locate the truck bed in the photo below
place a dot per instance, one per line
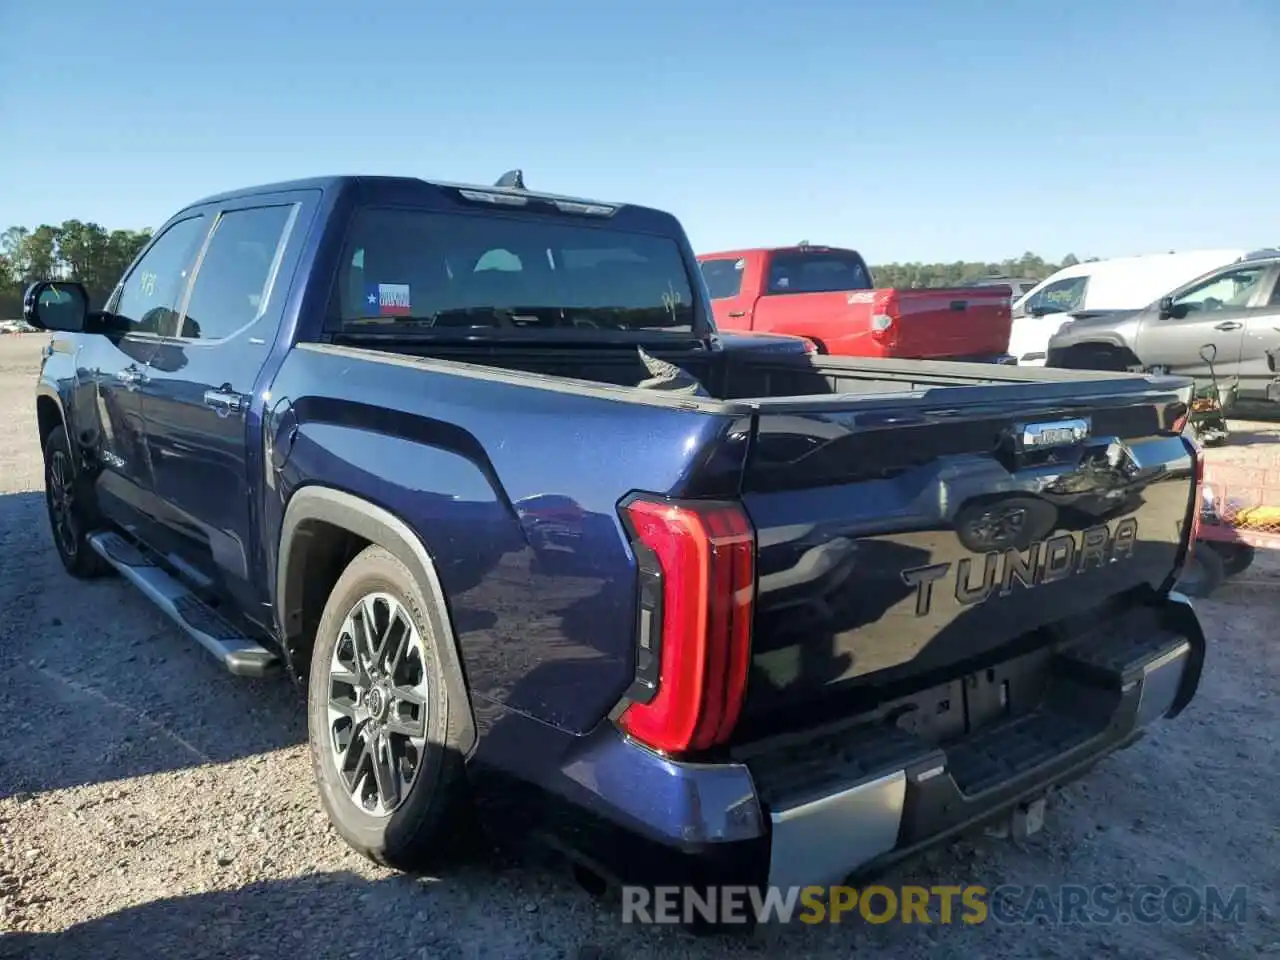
(867, 482)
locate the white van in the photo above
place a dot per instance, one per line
(1125, 283)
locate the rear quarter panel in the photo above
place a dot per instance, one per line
(841, 322)
(513, 491)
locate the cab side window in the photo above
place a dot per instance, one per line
(1062, 296)
(1275, 292)
(724, 277)
(1231, 290)
(234, 280)
(149, 295)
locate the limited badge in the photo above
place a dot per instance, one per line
(388, 299)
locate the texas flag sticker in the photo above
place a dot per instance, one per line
(387, 299)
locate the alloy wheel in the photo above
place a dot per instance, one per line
(377, 704)
(60, 490)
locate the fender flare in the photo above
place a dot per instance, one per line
(1103, 340)
(46, 391)
(383, 528)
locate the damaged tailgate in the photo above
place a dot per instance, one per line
(908, 539)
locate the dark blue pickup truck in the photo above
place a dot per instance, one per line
(473, 465)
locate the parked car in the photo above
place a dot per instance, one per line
(1235, 308)
(1124, 283)
(386, 435)
(826, 294)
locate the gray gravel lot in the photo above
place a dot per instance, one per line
(153, 806)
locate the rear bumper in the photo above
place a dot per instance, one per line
(875, 796)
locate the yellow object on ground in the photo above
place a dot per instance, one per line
(1256, 517)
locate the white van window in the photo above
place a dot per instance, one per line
(1227, 291)
(1061, 296)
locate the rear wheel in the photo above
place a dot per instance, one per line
(72, 508)
(384, 734)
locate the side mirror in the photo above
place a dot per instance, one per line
(56, 305)
(1168, 309)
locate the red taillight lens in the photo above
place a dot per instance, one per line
(884, 317)
(697, 593)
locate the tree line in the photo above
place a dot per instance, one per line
(72, 250)
(97, 257)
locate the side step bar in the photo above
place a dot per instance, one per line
(240, 654)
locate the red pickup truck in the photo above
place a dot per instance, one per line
(826, 294)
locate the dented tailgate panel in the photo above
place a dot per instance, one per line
(902, 550)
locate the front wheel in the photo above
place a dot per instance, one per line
(383, 732)
(73, 513)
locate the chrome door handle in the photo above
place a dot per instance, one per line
(1228, 325)
(224, 401)
(132, 376)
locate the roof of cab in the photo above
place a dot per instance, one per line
(340, 181)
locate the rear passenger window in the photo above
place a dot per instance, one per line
(149, 294)
(817, 271)
(235, 275)
(724, 277)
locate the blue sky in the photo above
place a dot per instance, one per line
(909, 130)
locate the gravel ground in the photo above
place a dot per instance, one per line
(152, 805)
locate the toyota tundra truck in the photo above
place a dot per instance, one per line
(550, 555)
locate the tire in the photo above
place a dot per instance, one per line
(423, 821)
(72, 508)
(1204, 574)
(1095, 357)
(1236, 557)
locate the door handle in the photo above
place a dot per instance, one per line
(132, 376)
(1228, 325)
(737, 313)
(224, 401)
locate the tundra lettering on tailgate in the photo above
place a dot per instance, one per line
(1044, 561)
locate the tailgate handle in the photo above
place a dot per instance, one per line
(1055, 433)
(959, 305)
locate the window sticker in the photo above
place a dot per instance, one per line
(388, 299)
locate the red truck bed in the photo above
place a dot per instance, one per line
(826, 294)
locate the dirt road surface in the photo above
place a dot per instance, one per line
(153, 806)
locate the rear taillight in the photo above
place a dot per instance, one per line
(696, 563)
(884, 317)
